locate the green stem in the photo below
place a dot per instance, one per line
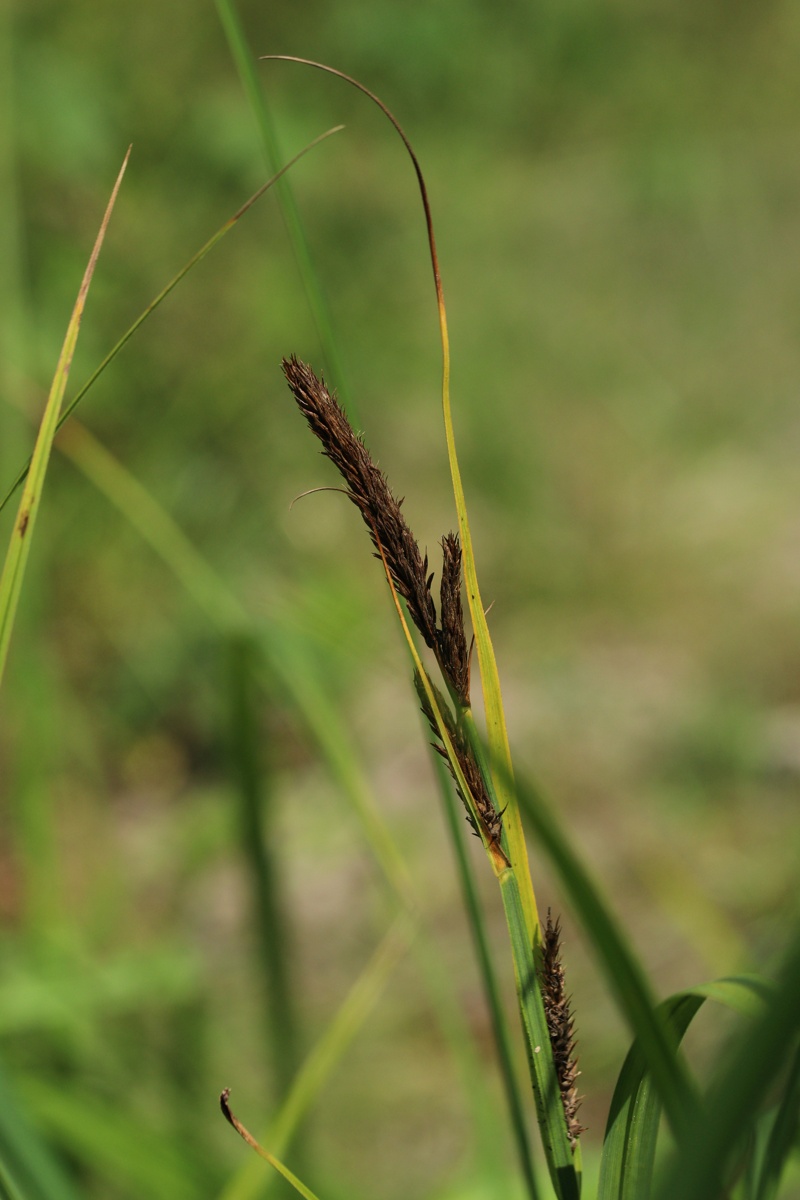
(546, 1090)
(623, 971)
(488, 975)
(320, 309)
(258, 852)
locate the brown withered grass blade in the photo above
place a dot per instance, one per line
(246, 1136)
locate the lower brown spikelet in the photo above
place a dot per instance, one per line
(490, 819)
(560, 1025)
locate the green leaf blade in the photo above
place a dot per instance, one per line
(629, 1149)
(22, 533)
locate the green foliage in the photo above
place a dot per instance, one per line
(615, 195)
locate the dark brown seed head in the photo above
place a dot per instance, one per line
(453, 653)
(560, 1025)
(490, 819)
(369, 491)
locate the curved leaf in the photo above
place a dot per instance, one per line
(623, 971)
(629, 1147)
(19, 546)
(781, 1137)
(497, 735)
(154, 303)
(550, 1111)
(698, 1166)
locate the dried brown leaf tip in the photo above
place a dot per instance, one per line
(368, 489)
(560, 1025)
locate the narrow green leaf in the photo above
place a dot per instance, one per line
(120, 1150)
(497, 733)
(500, 755)
(162, 295)
(22, 533)
(629, 1146)
(8, 1187)
(546, 1090)
(491, 988)
(31, 1169)
(547, 1094)
(623, 972)
(698, 1168)
(262, 860)
(782, 1137)
(320, 310)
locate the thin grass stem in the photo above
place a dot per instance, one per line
(165, 291)
(480, 938)
(623, 972)
(22, 533)
(711, 1146)
(269, 914)
(274, 1162)
(493, 703)
(315, 295)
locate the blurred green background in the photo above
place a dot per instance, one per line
(616, 191)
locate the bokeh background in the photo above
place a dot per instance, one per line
(616, 191)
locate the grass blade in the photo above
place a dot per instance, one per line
(500, 755)
(550, 1111)
(165, 291)
(31, 1171)
(124, 1153)
(623, 972)
(22, 533)
(8, 1188)
(713, 1143)
(629, 1146)
(320, 310)
(265, 1154)
(480, 937)
(263, 865)
(782, 1137)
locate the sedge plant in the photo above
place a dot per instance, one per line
(655, 1078)
(733, 1139)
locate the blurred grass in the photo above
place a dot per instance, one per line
(616, 195)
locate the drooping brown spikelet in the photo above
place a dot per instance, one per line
(488, 815)
(368, 489)
(560, 1025)
(453, 653)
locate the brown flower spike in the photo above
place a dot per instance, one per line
(367, 487)
(369, 491)
(452, 641)
(560, 1025)
(490, 819)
